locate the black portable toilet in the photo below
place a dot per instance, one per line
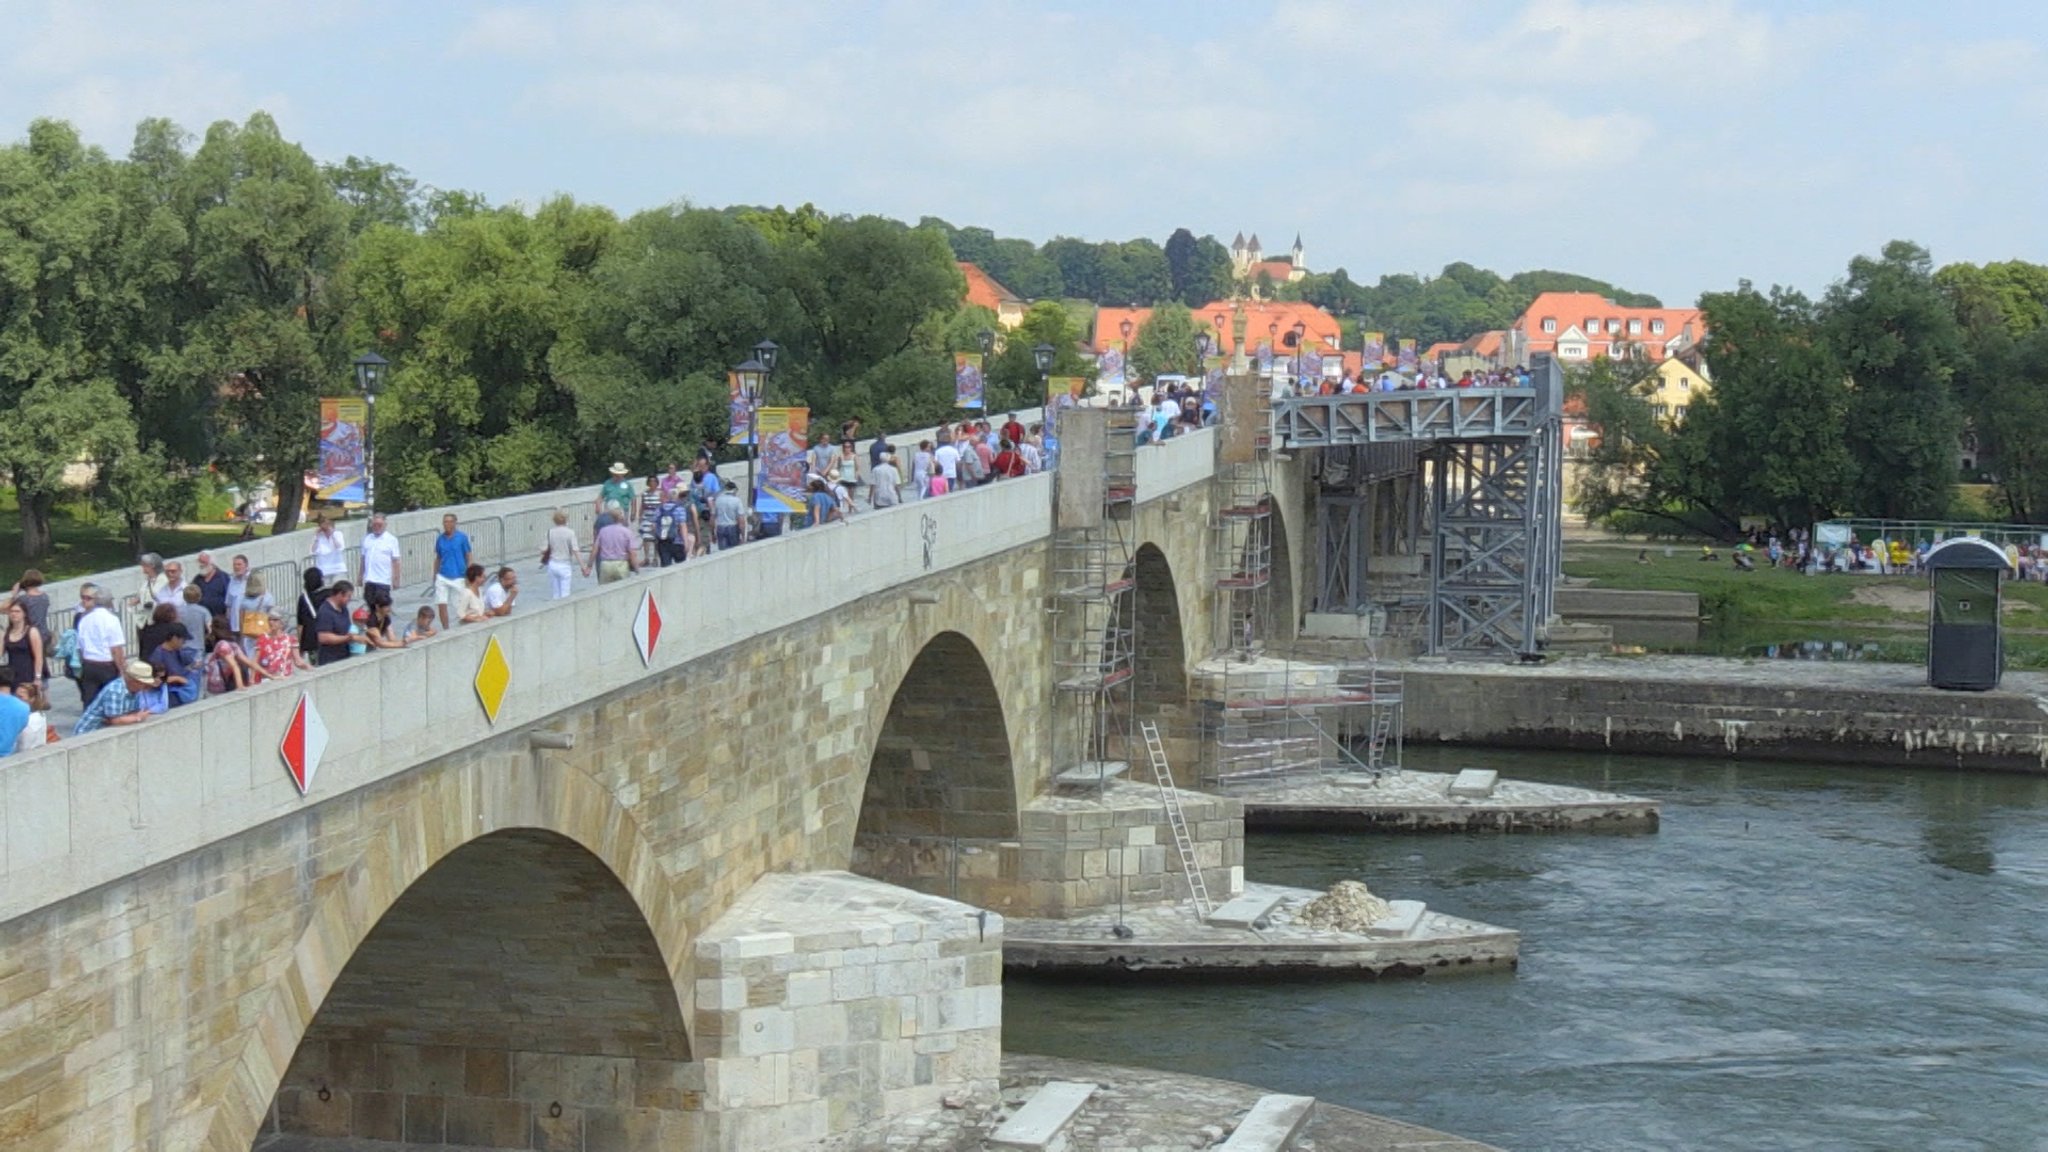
(1964, 647)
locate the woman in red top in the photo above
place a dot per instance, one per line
(1010, 462)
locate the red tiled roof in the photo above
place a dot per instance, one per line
(1277, 270)
(1579, 309)
(984, 291)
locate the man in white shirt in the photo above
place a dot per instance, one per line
(380, 563)
(948, 460)
(102, 650)
(500, 593)
(1034, 460)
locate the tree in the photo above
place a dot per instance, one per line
(1208, 277)
(1013, 377)
(268, 238)
(58, 216)
(376, 194)
(469, 312)
(681, 296)
(1080, 266)
(1166, 344)
(1896, 338)
(1180, 262)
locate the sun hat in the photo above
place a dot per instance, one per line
(618, 469)
(141, 670)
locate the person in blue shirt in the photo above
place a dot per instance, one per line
(135, 697)
(177, 663)
(14, 713)
(451, 562)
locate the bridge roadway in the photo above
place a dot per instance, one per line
(609, 916)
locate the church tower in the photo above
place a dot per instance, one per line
(1298, 257)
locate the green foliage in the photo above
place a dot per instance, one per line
(1897, 340)
(1166, 344)
(1013, 378)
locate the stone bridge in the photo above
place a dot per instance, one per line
(554, 888)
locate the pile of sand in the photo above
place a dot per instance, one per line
(1347, 907)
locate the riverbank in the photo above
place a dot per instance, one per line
(1847, 713)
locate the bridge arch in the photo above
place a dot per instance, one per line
(941, 780)
(1283, 616)
(476, 978)
(1160, 686)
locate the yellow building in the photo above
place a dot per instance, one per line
(1680, 381)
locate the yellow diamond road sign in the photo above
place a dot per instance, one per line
(493, 677)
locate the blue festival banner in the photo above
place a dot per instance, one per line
(739, 429)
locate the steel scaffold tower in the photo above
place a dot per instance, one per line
(1093, 594)
(1241, 540)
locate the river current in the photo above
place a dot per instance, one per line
(1801, 958)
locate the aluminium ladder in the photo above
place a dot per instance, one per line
(1170, 796)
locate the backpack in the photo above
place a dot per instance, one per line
(665, 523)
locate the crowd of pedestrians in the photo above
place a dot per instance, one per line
(215, 630)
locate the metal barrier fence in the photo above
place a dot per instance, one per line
(1913, 532)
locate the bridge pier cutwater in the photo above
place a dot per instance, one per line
(621, 911)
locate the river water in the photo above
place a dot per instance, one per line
(1801, 958)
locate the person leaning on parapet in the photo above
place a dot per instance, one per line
(212, 584)
(331, 624)
(131, 698)
(501, 593)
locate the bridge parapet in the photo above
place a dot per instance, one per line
(1433, 414)
(90, 810)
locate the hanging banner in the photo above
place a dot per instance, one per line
(343, 460)
(1311, 366)
(1407, 361)
(1062, 393)
(1212, 379)
(967, 380)
(737, 405)
(785, 438)
(1109, 367)
(1265, 357)
(1375, 353)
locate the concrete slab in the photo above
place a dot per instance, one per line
(1042, 1122)
(1409, 801)
(1474, 783)
(1271, 1125)
(1244, 911)
(1091, 774)
(1403, 919)
(1171, 938)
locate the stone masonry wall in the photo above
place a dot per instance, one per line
(162, 1011)
(827, 1001)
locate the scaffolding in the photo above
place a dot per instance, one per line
(1278, 720)
(1093, 599)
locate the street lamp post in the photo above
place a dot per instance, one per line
(1042, 357)
(755, 389)
(370, 369)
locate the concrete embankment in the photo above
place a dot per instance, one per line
(1864, 714)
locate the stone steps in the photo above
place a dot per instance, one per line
(1041, 1124)
(1271, 1125)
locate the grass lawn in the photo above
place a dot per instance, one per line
(84, 546)
(1742, 612)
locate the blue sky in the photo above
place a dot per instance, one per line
(1667, 145)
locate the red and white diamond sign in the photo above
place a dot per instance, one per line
(647, 627)
(305, 740)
